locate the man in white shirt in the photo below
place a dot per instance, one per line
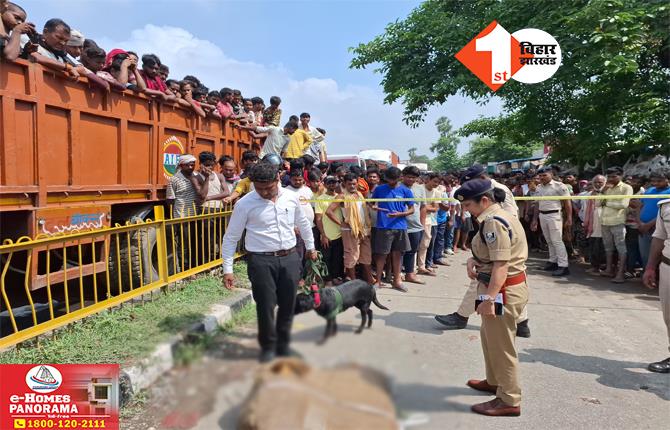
(270, 215)
(549, 217)
(297, 185)
(318, 147)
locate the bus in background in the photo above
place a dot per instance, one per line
(347, 159)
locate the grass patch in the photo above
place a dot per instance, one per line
(127, 334)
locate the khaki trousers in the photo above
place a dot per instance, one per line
(423, 247)
(498, 335)
(552, 229)
(664, 295)
(467, 307)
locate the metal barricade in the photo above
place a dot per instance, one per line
(86, 272)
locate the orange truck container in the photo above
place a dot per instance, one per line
(75, 157)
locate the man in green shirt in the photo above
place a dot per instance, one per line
(330, 232)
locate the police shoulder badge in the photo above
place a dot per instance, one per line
(490, 236)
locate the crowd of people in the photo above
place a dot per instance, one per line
(389, 227)
(402, 242)
(62, 48)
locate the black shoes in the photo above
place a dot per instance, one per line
(561, 271)
(452, 321)
(550, 267)
(266, 356)
(522, 329)
(660, 367)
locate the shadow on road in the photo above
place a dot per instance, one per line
(431, 398)
(578, 276)
(611, 373)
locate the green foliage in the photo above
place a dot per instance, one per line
(499, 139)
(610, 93)
(446, 147)
(414, 158)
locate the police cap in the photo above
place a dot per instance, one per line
(473, 188)
(473, 172)
(545, 169)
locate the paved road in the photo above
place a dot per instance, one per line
(583, 367)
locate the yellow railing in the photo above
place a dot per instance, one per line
(51, 281)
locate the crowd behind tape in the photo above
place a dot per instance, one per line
(520, 198)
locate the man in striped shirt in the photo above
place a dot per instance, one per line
(180, 193)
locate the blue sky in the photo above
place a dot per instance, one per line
(295, 49)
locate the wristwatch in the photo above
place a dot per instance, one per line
(487, 298)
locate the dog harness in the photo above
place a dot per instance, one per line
(338, 303)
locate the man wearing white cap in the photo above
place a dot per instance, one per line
(181, 194)
(74, 47)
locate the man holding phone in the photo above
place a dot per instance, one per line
(499, 254)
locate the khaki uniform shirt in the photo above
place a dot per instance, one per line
(498, 243)
(663, 226)
(553, 188)
(509, 204)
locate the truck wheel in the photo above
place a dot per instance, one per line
(142, 248)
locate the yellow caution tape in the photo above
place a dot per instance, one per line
(524, 198)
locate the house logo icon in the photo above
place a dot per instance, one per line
(44, 378)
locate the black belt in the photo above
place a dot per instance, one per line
(281, 253)
(665, 260)
(549, 212)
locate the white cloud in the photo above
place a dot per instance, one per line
(354, 116)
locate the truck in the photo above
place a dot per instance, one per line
(384, 156)
(75, 158)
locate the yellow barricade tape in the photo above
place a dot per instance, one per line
(524, 198)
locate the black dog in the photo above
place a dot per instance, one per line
(327, 304)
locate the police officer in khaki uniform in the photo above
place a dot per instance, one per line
(499, 252)
(459, 319)
(657, 272)
(550, 219)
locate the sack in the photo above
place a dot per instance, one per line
(288, 395)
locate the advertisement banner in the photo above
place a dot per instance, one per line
(59, 396)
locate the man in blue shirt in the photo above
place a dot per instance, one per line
(660, 181)
(390, 236)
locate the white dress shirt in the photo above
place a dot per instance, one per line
(270, 225)
(305, 193)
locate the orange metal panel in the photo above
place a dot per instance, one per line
(14, 76)
(130, 105)
(57, 121)
(139, 142)
(89, 142)
(98, 151)
(19, 153)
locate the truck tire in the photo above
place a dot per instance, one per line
(139, 275)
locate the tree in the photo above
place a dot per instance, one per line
(498, 139)
(446, 147)
(412, 153)
(610, 92)
(484, 150)
(414, 158)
